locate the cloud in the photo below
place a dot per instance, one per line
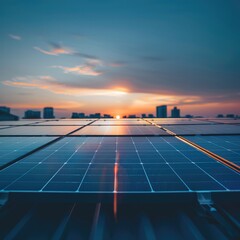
(57, 49)
(81, 70)
(15, 37)
(51, 84)
(89, 68)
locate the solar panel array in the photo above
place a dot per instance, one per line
(108, 156)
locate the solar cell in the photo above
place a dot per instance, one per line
(120, 130)
(227, 147)
(14, 147)
(37, 130)
(217, 129)
(118, 164)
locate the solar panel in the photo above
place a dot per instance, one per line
(20, 122)
(37, 130)
(118, 164)
(63, 123)
(120, 130)
(14, 147)
(128, 122)
(177, 121)
(227, 147)
(225, 120)
(217, 129)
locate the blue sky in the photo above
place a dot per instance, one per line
(120, 57)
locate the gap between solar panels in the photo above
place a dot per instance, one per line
(216, 157)
(43, 146)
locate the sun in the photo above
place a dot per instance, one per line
(118, 117)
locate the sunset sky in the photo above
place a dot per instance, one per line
(120, 57)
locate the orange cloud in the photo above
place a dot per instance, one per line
(55, 51)
(51, 84)
(81, 70)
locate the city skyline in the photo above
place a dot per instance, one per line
(160, 112)
(120, 58)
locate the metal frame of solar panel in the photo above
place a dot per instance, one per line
(117, 164)
(226, 146)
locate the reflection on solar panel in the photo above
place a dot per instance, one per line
(177, 121)
(64, 123)
(14, 147)
(224, 120)
(38, 130)
(17, 123)
(204, 129)
(227, 147)
(120, 130)
(121, 122)
(121, 164)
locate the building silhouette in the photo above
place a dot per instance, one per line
(5, 109)
(75, 115)
(150, 115)
(175, 113)
(81, 115)
(5, 114)
(48, 112)
(30, 114)
(161, 111)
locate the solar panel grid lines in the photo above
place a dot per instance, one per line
(169, 166)
(61, 166)
(218, 158)
(227, 147)
(118, 164)
(201, 168)
(32, 166)
(89, 165)
(15, 148)
(150, 185)
(131, 177)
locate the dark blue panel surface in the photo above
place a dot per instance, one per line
(118, 164)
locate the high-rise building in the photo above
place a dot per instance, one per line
(5, 109)
(175, 113)
(97, 115)
(30, 114)
(150, 115)
(75, 115)
(48, 112)
(144, 115)
(7, 116)
(161, 111)
(81, 115)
